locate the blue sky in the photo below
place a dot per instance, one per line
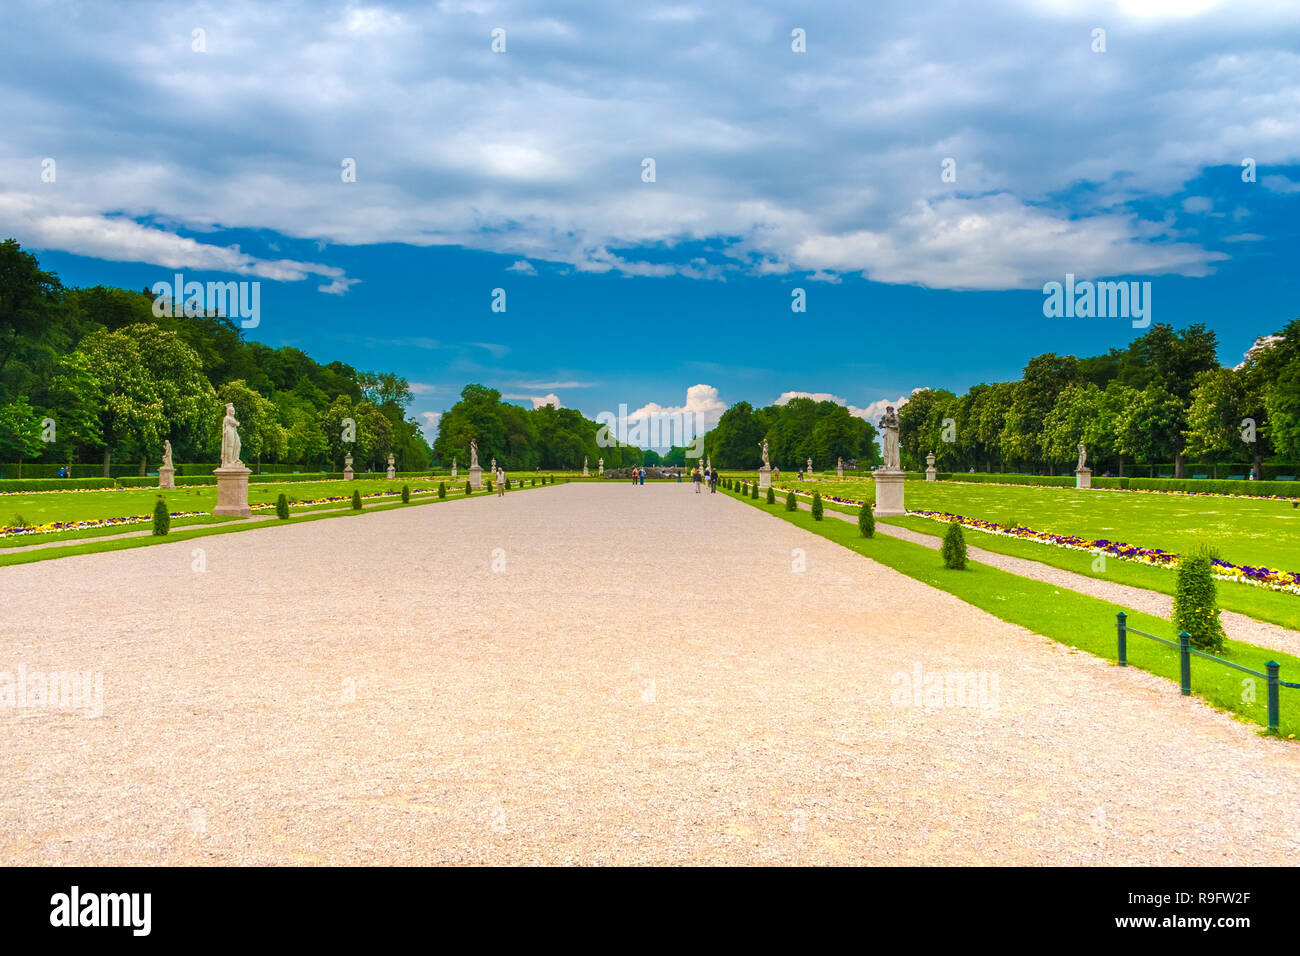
(774, 170)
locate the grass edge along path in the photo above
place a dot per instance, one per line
(1067, 617)
(1262, 604)
(145, 539)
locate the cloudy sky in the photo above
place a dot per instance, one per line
(919, 170)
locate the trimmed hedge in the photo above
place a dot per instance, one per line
(49, 484)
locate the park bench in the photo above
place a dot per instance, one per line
(1284, 478)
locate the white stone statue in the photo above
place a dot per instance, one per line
(889, 440)
(1083, 457)
(167, 453)
(494, 464)
(230, 444)
(347, 461)
(601, 465)
(453, 466)
(766, 462)
(473, 453)
(809, 471)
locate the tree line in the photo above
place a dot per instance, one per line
(1165, 398)
(800, 429)
(93, 375)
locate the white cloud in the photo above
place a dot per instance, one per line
(524, 267)
(540, 158)
(537, 400)
(430, 426)
(871, 412)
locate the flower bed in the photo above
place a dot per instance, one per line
(1270, 578)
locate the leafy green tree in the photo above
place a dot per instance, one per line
(20, 432)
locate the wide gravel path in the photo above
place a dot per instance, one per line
(647, 678)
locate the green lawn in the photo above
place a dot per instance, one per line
(1247, 531)
(1073, 619)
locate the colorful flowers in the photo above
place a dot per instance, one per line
(1270, 578)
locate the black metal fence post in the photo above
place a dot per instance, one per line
(1185, 661)
(1121, 626)
(1273, 668)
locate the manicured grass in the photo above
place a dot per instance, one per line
(1247, 531)
(1256, 602)
(227, 526)
(1068, 617)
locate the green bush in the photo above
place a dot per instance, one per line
(753, 490)
(867, 521)
(356, 500)
(507, 484)
(162, 519)
(1196, 602)
(282, 507)
(488, 484)
(442, 489)
(406, 493)
(18, 522)
(771, 495)
(954, 547)
(817, 506)
(534, 484)
(791, 502)
(468, 489)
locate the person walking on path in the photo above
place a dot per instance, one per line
(643, 474)
(501, 482)
(713, 482)
(698, 479)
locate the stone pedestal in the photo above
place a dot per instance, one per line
(392, 472)
(166, 477)
(931, 473)
(347, 473)
(889, 493)
(839, 471)
(764, 478)
(585, 473)
(476, 477)
(1083, 478)
(232, 491)
(453, 469)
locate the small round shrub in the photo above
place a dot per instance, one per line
(356, 501)
(867, 521)
(771, 495)
(442, 489)
(282, 507)
(1196, 601)
(954, 547)
(817, 506)
(162, 519)
(488, 483)
(791, 502)
(534, 484)
(753, 491)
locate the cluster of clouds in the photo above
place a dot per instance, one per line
(870, 412)
(825, 162)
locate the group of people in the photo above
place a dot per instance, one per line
(702, 476)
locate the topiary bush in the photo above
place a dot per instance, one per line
(817, 506)
(1196, 601)
(406, 493)
(791, 502)
(488, 485)
(954, 547)
(282, 507)
(442, 489)
(753, 491)
(771, 495)
(356, 501)
(468, 489)
(162, 519)
(867, 521)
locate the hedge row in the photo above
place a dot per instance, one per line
(1227, 486)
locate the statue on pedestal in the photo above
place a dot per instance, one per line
(453, 466)
(473, 453)
(1083, 457)
(766, 462)
(167, 453)
(230, 444)
(889, 440)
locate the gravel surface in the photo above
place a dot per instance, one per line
(646, 681)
